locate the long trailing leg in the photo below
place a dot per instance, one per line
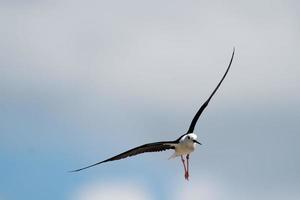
(183, 162)
(187, 165)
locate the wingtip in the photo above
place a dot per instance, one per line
(72, 171)
(233, 51)
(77, 170)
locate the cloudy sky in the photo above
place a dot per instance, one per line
(83, 80)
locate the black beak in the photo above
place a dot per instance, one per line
(197, 142)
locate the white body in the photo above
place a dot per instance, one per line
(185, 146)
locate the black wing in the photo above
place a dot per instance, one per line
(151, 147)
(195, 119)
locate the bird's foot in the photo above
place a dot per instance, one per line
(186, 175)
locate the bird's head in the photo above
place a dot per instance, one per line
(190, 138)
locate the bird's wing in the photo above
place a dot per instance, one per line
(150, 147)
(196, 117)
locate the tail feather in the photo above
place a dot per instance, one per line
(174, 155)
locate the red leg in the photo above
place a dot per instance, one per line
(183, 162)
(187, 171)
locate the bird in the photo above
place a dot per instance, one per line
(182, 146)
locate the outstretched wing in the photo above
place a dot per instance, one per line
(196, 117)
(151, 147)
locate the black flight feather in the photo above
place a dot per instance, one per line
(150, 147)
(196, 117)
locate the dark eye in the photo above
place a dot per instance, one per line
(188, 137)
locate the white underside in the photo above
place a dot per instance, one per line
(183, 149)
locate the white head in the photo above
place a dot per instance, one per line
(190, 138)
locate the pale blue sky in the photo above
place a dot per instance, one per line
(83, 80)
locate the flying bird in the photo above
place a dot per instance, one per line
(183, 146)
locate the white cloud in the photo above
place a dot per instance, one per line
(210, 187)
(111, 190)
(107, 48)
(200, 188)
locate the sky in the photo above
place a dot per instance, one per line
(81, 81)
